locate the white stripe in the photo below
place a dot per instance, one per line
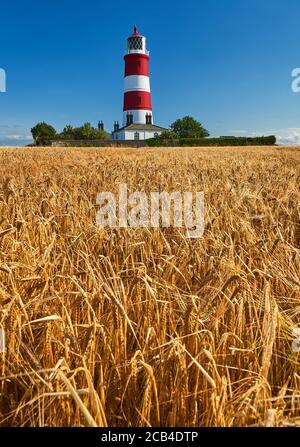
(136, 83)
(139, 116)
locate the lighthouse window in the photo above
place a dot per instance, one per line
(136, 136)
(135, 43)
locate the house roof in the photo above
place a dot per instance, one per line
(140, 127)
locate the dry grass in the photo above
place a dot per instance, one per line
(145, 327)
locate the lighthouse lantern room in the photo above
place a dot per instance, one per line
(137, 108)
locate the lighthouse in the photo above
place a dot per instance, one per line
(137, 107)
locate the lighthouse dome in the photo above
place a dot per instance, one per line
(136, 43)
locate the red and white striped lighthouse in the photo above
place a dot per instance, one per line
(137, 96)
(137, 109)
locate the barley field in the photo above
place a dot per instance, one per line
(145, 327)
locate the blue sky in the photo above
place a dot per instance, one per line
(228, 63)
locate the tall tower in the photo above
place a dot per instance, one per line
(137, 97)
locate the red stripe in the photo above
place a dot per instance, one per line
(136, 64)
(137, 101)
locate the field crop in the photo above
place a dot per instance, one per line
(144, 327)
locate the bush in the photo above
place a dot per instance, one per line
(168, 135)
(239, 141)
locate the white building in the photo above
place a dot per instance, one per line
(137, 132)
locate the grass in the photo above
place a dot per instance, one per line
(125, 327)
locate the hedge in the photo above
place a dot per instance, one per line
(238, 141)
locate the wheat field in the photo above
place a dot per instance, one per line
(145, 327)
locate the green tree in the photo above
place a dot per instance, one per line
(43, 134)
(88, 132)
(168, 135)
(102, 135)
(188, 127)
(67, 133)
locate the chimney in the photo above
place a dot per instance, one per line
(116, 126)
(148, 118)
(129, 119)
(100, 125)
